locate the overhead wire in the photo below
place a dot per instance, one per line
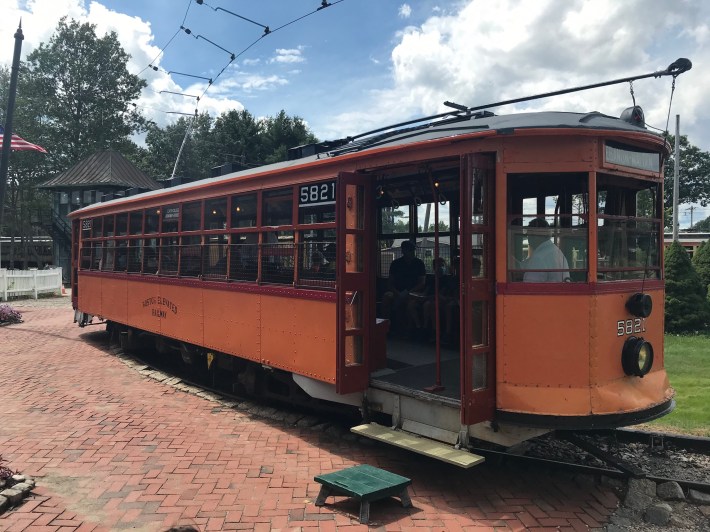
(233, 57)
(162, 50)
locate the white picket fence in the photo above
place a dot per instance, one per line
(31, 282)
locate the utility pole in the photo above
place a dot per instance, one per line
(7, 136)
(676, 167)
(691, 209)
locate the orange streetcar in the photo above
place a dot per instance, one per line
(532, 298)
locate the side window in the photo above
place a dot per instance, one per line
(152, 220)
(277, 208)
(243, 211)
(191, 216)
(171, 217)
(216, 214)
(548, 227)
(629, 229)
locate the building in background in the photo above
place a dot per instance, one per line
(102, 176)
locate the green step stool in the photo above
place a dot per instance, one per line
(365, 483)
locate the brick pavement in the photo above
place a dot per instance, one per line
(113, 450)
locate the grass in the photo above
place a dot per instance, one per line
(688, 367)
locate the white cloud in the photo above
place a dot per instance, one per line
(251, 62)
(405, 11)
(288, 55)
(490, 51)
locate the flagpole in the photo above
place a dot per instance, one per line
(7, 136)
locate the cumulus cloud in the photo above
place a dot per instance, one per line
(405, 11)
(489, 51)
(288, 55)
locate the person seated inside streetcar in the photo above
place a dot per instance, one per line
(545, 255)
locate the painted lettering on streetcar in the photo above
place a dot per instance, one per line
(628, 327)
(160, 302)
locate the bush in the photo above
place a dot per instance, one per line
(9, 315)
(701, 263)
(687, 308)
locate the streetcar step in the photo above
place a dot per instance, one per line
(406, 440)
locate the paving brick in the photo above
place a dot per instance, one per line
(142, 454)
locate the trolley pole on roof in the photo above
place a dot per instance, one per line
(676, 167)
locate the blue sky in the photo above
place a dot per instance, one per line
(362, 64)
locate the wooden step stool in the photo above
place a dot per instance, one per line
(365, 483)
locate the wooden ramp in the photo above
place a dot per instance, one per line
(431, 448)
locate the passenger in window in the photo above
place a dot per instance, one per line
(545, 255)
(407, 274)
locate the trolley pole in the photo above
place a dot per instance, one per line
(7, 136)
(676, 167)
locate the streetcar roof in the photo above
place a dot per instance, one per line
(456, 124)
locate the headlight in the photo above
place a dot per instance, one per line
(637, 356)
(640, 305)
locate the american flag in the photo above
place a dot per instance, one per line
(18, 143)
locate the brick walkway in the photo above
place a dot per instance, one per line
(113, 450)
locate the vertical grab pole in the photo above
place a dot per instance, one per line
(437, 324)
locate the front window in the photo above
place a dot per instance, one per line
(629, 229)
(547, 227)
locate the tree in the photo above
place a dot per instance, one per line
(237, 136)
(234, 136)
(196, 159)
(693, 175)
(702, 226)
(701, 263)
(283, 132)
(23, 201)
(686, 305)
(83, 93)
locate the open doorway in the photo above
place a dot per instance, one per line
(417, 279)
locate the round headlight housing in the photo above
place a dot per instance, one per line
(637, 356)
(640, 305)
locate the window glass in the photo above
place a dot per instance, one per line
(109, 227)
(547, 227)
(629, 229)
(244, 210)
(151, 255)
(122, 224)
(316, 258)
(216, 214)
(277, 257)
(394, 219)
(278, 207)
(214, 257)
(135, 223)
(191, 216)
(191, 256)
(243, 257)
(121, 262)
(171, 217)
(135, 255)
(169, 252)
(152, 220)
(88, 197)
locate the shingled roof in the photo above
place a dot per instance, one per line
(106, 168)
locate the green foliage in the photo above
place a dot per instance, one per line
(686, 308)
(234, 136)
(701, 263)
(702, 226)
(693, 174)
(82, 93)
(688, 367)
